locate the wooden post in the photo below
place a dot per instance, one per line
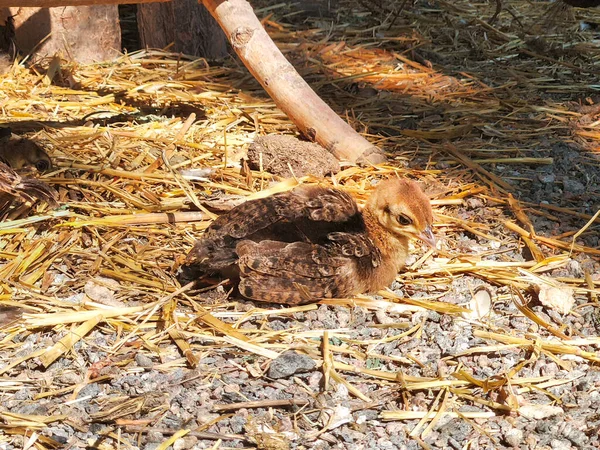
(286, 87)
(185, 23)
(82, 33)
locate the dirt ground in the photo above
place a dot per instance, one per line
(500, 123)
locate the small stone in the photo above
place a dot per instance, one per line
(546, 177)
(574, 268)
(62, 437)
(151, 446)
(142, 360)
(31, 409)
(557, 297)
(290, 363)
(513, 437)
(185, 443)
(560, 444)
(100, 293)
(573, 187)
(23, 394)
(577, 437)
(538, 412)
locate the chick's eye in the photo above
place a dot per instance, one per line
(42, 165)
(404, 220)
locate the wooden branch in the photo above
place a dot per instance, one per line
(55, 3)
(286, 87)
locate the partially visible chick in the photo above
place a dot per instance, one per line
(313, 242)
(9, 314)
(18, 194)
(22, 154)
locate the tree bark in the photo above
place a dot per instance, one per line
(83, 33)
(291, 93)
(186, 23)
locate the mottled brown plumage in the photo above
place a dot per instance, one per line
(313, 242)
(9, 314)
(18, 194)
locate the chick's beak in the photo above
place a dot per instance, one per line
(427, 236)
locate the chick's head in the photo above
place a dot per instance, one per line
(403, 209)
(31, 155)
(23, 154)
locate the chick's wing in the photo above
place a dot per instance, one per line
(305, 202)
(358, 245)
(280, 217)
(15, 190)
(299, 272)
(291, 273)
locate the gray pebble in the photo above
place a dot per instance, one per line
(577, 437)
(546, 177)
(89, 390)
(573, 187)
(513, 437)
(32, 409)
(154, 436)
(143, 360)
(290, 363)
(23, 394)
(151, 445)
(560, 444)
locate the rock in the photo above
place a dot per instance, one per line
(185, 443)
(538, 412)
(557, 297)
(290, 363)
(142, 360)
(32, 408)
(101, 290)
(546, 177)
(513, 437)
(577, 437)
(560, 444)
(573, 187)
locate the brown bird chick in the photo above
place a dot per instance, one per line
(22, 154)
(313, 242)
(9, 314)
(18, 194)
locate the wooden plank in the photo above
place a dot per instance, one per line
(55, 3)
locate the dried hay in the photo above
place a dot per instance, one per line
(121, 133)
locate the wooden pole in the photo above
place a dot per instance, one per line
(286, 87)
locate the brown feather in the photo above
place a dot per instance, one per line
(16, 191)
